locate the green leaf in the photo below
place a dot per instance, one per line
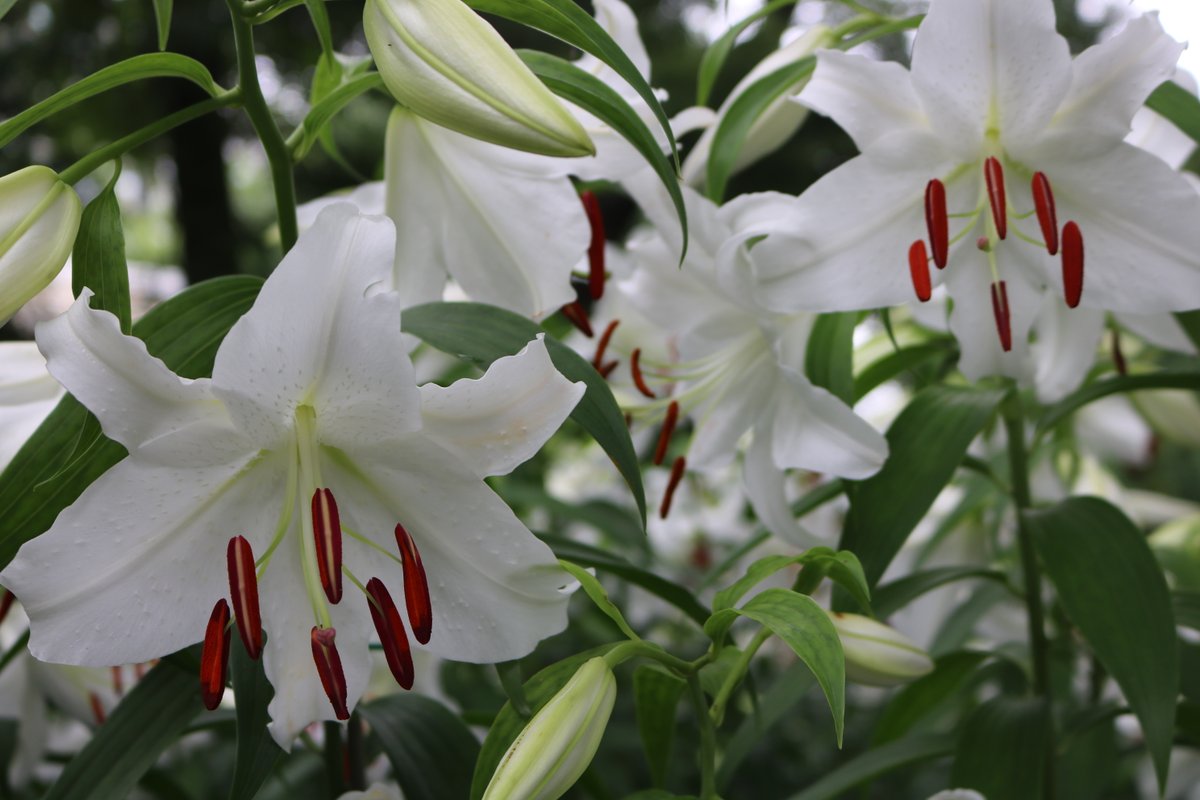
(565, 20)
(512, 681)
(829, 359)
(98, 259)
(1002, 749)
(717, 52)
(145, 723)
(1124, 383)
(1187, 608)
(482, 333)
(608, 561)
(599, 596)
(1112, 588)
(891, 597)
(148, 65)
(594, 95)
(508, 723)
(1178, 105)
(257, 752)
(427, 744)
(162, 20)
(926, 443)
(68, 452)
(803, 626)
(740, 118)
(843, 567)
(775, 705)
(915, 701)
(6, 6)
(656, 694)
(309, 131)
(878, 761)
(898, 362)
(1190, 322)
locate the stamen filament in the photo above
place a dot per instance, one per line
(306, 454)
(993, 172)
(285, 515)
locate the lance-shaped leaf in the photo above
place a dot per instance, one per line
(428, 766)
(98, 260)
(1002, 749)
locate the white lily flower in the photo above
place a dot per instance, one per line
(312, 398)
(39, 217)
(27, 395)
(740, 368)
(993, 139)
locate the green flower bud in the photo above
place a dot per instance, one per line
(558, 743)
(878, 655)
(440, 59)
(39, 217)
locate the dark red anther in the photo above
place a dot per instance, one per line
(214, 656)
(1003, 316)
(635, 368)
(329, 668)
(937, 222)
(6, 603)
(608, 368)
(416, 587)
(327, 530)
(602, 345)
(918, 267)
(98, 707)
(677, 469)
(118, 682)
(243, 590)
(1043, 203)
(1072, 264)
(390, 628)
(994, 173)
(596, 272)
(578, 317)
(139, 671)
(1118, 356)
(664, 436)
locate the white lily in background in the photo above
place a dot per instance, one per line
(39, 217)
(302, 434)
(993, 141)
(739, 367)
(27, 395)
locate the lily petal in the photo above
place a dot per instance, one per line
(816, 431)
(304, 340)
(1160, 330)
(1066, 347)
(500, 420)
(744, 395)
(494, 587)
(764, 484)
(973, 322)
(989, 63)
(1138, 218)
(508, 226)
(28, 393)
(117, 598)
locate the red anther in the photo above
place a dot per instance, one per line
(1118, 357)
(416, 587)
(139, 671)
(6, 603)
(677, 469)
(994, 173)
(596, 247)
(608, 368)
(329, 668)
(635, 368)
(243, 590)
(602, 345)
(1003, 316)
(664, 436)
(1043, 202)
(98, 707)
(578, 317)
(918, 267)
(701, 555)
(214, 656)
(118, 682)
(937, 222)
(1072, 264)
(390, 628)
(327, 530)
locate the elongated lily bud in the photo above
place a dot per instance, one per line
(39, 217)
(876, 654)
(559, 742)
(440, 59)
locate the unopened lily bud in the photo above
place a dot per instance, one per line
(876, 654)
(1173, 413)
(558, 743)
(39, 217)
(440, 59)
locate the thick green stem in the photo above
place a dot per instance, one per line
(334, 759)
(1018, 465)
(356, 767)
(278, 156)
(708, 740)
(86, 165)
(644, 649)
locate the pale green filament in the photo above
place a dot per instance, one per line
(306, 454)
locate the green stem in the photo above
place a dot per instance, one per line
(356, 761)
(643, 649)
(708, 740)
(1018, 465)
(736, 673)
(86, 165)
(334, 763)
(251, 7)
(278, 156)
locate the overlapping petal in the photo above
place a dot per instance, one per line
(814, 430)
(1065, 348)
